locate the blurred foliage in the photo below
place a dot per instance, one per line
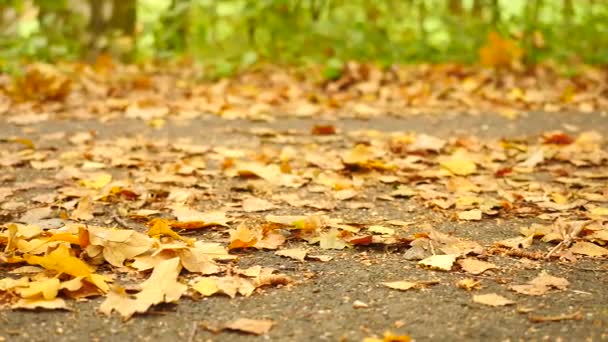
(228, 35)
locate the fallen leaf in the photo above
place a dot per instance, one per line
(251, 326)
(253, 204)
(332, 240)
(492, 299)
(161, 287)
(187, 215)
(47, 289)
(84, 210)
(588, 248)
(442, 262)
(32, 304)
(475, 266)
(459, 167)
(242, 237)
(469, 284)
(404, 285)
(118, 244)
(470, 215)
(389, 337)
(206, 287)
(293, 253)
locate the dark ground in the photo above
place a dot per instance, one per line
(320, 306)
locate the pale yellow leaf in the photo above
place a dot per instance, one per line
(442, 262)
(492, 299)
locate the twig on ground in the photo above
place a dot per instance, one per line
(577, 316)
(570, 231)
(193, 331)
(120, 221)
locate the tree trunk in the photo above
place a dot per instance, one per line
(455, 7)
(123, 17)
(568, 11)
(122, 25)
(495, 12)
(477, 8)
(96, 28)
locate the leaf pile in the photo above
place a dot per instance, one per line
(108, 90)
(143, 221)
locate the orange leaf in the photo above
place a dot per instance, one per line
(499, 52)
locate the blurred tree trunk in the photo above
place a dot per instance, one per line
(568, 11)
(477, 8)
(123, 16)
(96, 28)
(122, 24)
(495, 11)
(455, 7)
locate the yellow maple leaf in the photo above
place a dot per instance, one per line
(460, 167)
(46, 289)
(61, 261)
(97, 182)
(161, 287)
(161, 227)
(242, 237)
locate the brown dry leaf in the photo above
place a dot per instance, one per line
(41, 82)
(492, 299)
(228, 285)
(33, 216)
(470, 215)
(200, 257)
(403, 285)
(242, 237)
(403, 191)
(47, 289)
(469, 284)
(187, 215)
(251, 326)
(161, 287)
(118, 244)
(541, 285)
(254, 204)
(49, 304)
(475, 266)
(517, 242)
(529, 289)
(332, 240)
(589, 249)
(545, 279)
(270, 173)
(442, 262)
(381, 230)
(84, 210)
(293, 253)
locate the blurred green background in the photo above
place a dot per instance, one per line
(230, 35)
